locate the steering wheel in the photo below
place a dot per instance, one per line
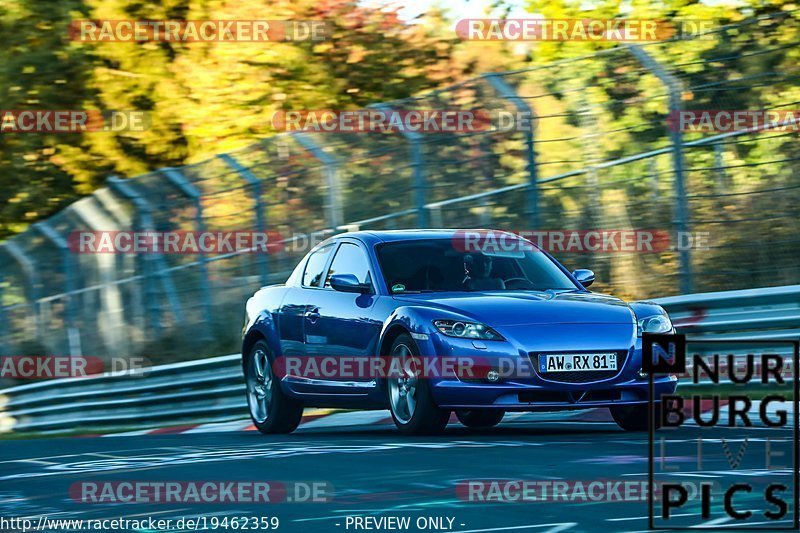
(518, 283)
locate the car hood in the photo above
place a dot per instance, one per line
(519, 308)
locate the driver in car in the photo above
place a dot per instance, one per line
(478, 274)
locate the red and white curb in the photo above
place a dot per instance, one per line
(333, 418)
(329, 418)
(312, 418)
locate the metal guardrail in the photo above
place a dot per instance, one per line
(758, 314)
(211, 390)
(207, 389)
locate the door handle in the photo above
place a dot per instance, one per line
(312, 316)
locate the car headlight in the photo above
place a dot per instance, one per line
(654, 324)
(467, 330)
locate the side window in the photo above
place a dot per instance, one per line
(349, 259)
(315, 266)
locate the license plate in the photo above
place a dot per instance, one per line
(577, 362)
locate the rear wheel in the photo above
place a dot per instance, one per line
(635, 417)
(409, 396)
(271, 410)
(480, 418)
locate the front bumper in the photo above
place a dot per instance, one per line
(515, 396)
(529, 391)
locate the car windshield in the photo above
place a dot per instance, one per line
(437, 265)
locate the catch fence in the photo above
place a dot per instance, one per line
(602, 155)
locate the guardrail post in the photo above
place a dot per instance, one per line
(152, 264)
(70, 311)
(508, 92)
(177, 178)
(675, 90)
(261, 214)
(333, 211)
(31, 286)
(419, 178)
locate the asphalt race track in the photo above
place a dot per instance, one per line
(374, 472)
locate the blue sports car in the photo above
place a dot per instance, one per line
(418, 322)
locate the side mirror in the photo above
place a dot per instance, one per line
(349, 283)
(584, 276)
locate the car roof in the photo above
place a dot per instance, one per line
(374, 237)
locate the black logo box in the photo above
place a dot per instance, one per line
(655, 363)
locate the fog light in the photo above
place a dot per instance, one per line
(493, 376)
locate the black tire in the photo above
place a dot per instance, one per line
(426, 418)
(480, 418)
(280, 414)
(635, 417)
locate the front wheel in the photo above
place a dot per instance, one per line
(271, 410)
(480, 418)
(635, 417)
(409, 396)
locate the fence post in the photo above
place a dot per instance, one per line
(653, 169)
(112, 332)
(419, 176)
(261, 212)
(485, 148)
(177, 178)
(436, 215)
(587, 120)
(31, 285)
(675, 90)
(506, 91)
(152, 265)
(721, 183)
(4, 334)
(333, 211)
(67, 264)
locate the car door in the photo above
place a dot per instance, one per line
(293, 309)
(338, 323)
